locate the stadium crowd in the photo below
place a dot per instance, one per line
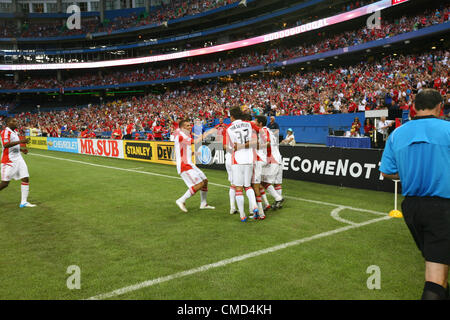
(390, 82)
(173, 10)
(262, 56)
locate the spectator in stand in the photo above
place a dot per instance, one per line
(85, 133)
(290, 138)
(150, 137)
(129, 132)
(368, 127)
(274, 126)
(382, 131)
(355, 128)
(158, 131)
(117, 133)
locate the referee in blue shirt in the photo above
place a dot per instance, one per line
(418, 153)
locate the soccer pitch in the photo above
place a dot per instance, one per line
(117, 221)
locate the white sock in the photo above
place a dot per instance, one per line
(240, 203)
(232, 194)
(274, 193)
(264, 197)
(189, 193)
(251, 198)
(203, 195)
(279, 189)
(25, 188)
(260, 206)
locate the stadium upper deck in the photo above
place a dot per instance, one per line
(240, 23)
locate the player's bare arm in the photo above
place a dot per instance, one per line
(391, 176)
(15, 143)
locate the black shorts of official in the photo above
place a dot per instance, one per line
(428, 220)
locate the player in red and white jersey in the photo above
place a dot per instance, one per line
(239, 136)
(261, 161)
(272, 173)
(259, 157)
(194, 178)
(221, 130)
(12, 165)
(220, 134)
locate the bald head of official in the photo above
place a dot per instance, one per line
(428, 101)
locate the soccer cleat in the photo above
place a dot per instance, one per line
(255, 217)
(233, 211)
(206, 206)
(261, 217)
(27, 205)
(279, 204)
(268, 207)
(181, 205)
(244, 219)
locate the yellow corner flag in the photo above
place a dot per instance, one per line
(395, 214)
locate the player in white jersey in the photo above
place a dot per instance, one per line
(239, 135)
(194, 178)
(12, 165)
(272, 171)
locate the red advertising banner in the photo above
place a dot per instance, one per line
(101, 147)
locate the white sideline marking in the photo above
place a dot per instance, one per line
(149, 283)
(136, 168)
(209, 183)
(225, 262)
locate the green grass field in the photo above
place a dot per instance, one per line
(119, 224)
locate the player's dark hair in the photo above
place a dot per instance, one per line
(427, 99)
(8, 120)
(246, 116)
(262, 120)
(182, 121)
(236, 113)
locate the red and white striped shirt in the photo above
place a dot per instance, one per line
(273, 152)
(11, 154)
(183, 151)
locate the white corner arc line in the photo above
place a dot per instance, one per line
(335, 215)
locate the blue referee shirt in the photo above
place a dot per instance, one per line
(419, 151)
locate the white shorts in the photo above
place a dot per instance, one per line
(193, 176)
(228, 167)
(16, 170)
(242, 175)
(257, 172)
(273, 173)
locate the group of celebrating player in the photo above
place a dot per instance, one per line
(252, 160)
